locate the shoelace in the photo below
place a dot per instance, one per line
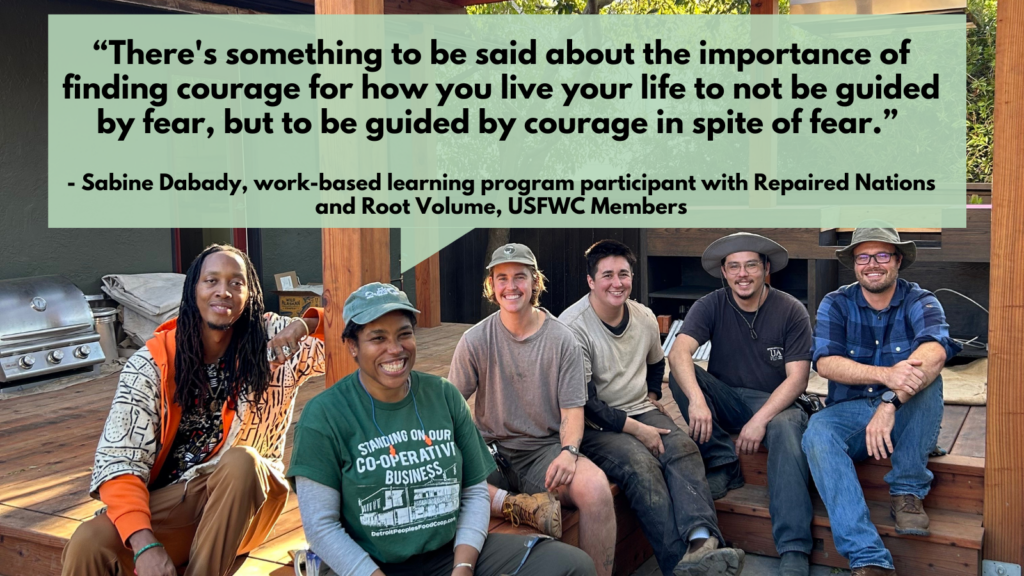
(909, 504)
(516, 513)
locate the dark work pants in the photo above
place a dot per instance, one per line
(501, 554)
(788, 476)
(669, 494)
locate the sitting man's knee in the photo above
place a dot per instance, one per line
(817, 437)
(590, 488)
(91, 538)
(239, 457)
(678, 442)
(241, 464)
(645, 465)
(787, 427)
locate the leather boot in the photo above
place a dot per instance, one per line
(908, 511)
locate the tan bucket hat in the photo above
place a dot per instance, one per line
(908, 250)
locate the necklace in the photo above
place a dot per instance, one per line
(750, 325)
(373, 413)
(215, 375)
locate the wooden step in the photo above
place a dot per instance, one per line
(952, 549)
(959, 482)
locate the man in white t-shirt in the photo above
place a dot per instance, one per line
(527, 372)
(641, 449)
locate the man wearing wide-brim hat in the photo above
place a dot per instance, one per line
(761, 342)
(881, 343)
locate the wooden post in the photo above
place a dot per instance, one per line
(764, 6)
(349, 6)
(351, 256)
(1004, 452)
(428, 291)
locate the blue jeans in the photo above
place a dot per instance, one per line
(835, 440)
(669, 494)
(789, 498)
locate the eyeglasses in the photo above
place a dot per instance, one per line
(881, 258)
(752, 267)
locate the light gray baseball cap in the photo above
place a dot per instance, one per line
(517, 253)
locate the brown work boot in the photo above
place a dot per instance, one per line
(540, 511)
(710, 560)
(908, 511)
(873, 571)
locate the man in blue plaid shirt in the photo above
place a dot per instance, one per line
(881, 343)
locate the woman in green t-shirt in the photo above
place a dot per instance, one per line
(391, 471)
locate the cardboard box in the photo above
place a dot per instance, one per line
(286, 280)
(294, 298)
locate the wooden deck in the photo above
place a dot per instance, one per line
(48, 441)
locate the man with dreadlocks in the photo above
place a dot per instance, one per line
(189, 463)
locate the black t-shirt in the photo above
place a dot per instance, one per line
(783, 335)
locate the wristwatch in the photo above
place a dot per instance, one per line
(890, 397)
(572, 450)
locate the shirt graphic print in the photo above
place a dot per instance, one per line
(421, 489)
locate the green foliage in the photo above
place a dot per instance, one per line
(621, 7)
(981, 74)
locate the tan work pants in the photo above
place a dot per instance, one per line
(204, 523)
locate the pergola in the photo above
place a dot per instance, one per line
(353, 257)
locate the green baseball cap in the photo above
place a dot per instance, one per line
(517, 253)
(374, 300)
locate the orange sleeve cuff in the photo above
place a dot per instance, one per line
(317, 313)
(127, 500)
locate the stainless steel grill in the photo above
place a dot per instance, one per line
(46, 326)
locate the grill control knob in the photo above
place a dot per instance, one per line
(26, 362)
(55, 357)
(83, 351)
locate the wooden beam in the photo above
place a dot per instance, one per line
(428, 291)
(764, 6)
(1004, 453)
(422, 7)
(349, 6)
(188, 6)
(352, 257)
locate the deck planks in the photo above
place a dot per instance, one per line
(971, 440)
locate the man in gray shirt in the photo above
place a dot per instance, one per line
(527, 372)
(640, 448)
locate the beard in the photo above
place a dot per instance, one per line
(748, 296)
(755, 291)
(880, 286)
(220, 327)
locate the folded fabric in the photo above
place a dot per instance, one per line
(140, 327)
(149, 294)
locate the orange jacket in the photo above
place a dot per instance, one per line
(126, 496)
